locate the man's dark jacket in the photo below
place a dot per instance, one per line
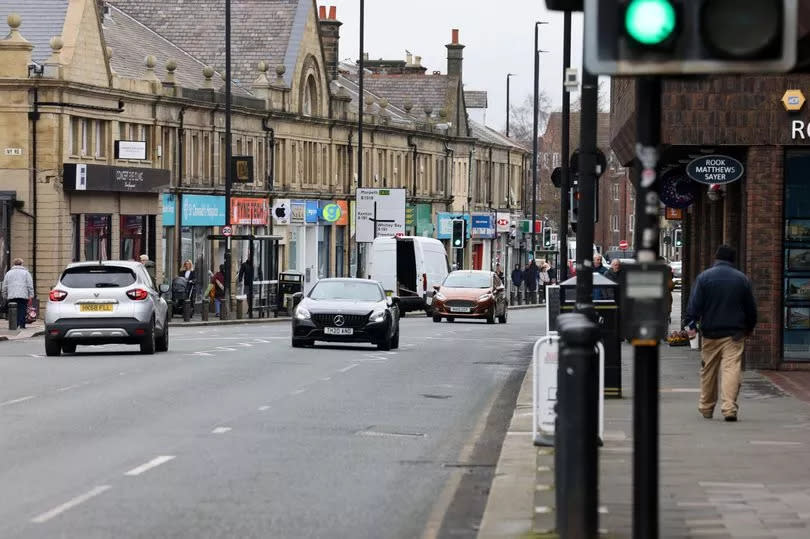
(517, 277)
(722, 302)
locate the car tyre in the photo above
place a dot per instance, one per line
(491, 317)
(451, 319)
(53, 347)
(502, 318)
(387, 344)
(69, 347)
(162, 343)
(148, 344)
(437, 319)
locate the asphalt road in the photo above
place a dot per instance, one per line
(234, 434)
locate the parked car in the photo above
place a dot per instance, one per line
(346, 310)
(471, 294)
(410, 267)
(677, 268)
(106, 302)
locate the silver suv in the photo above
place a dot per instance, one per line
(106, 302)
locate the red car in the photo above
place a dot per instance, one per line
(470, 294)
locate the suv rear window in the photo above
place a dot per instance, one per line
(98, 277)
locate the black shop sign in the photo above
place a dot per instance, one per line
(81, 177)
(715, 169)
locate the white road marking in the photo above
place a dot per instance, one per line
(68, 388)
(263, 408)
(720, 484)
(36, 355)
(225, 349)
(201, 354)
(350, 367)
(221, 430)
(122, 374)
(56, 511)
(154, 463)
(297, 391)
(326, 379)
(773, 442)
(17, 401)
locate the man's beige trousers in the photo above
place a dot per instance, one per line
(721, 357)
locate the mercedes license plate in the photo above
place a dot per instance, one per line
(460, 309)
(96, 308)
(338, 331)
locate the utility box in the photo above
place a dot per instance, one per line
(606, 304)
(289, 283)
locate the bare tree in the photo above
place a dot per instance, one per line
(603, 103)
(521, 124)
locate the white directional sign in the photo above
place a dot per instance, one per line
(380, 213)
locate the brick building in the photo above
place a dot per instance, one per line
(766, 214)
(616, 201)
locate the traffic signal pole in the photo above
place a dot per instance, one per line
(646, 364)
(565, 184)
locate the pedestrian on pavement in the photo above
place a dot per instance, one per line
(245, 276)
(723, 308)
(531, 277)
(187, 270)
(18, 287)
(219, 288)
(598, 267)
(613, 272)
(544, 278)
(499, 271)
(150, 267)
(517, 280)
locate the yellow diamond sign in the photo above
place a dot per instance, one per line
(793, 100)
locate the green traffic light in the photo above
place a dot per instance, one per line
(650, 22)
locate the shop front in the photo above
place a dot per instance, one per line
(482, 234)
(6, 210)
(115, 212)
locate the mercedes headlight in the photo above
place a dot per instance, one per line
(378, 316)
(301, 313)
(485, 297)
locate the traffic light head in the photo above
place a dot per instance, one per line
(547, 237)
(660, 37)
(678, 238)
(457, 237)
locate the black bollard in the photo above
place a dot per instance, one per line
(12, 315)
(187, 309)
(206, 309)
(577, 428)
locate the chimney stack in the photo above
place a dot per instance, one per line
(455, 56)
(330, 35)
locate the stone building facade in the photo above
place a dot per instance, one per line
(116, 151)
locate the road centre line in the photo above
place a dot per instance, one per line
(350, 367)
(154, 463)
(17, 401)
(263, 408)
(297, 391)
(221, 430)
(56, 511)
(68, 388)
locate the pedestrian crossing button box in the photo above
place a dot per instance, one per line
(644, 295)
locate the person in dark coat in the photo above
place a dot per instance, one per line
(530, 276)
(517, 281)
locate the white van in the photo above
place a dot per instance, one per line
(410, 267)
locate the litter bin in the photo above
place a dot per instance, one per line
(606, 305)
(289, 283)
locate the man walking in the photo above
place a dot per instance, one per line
(723, 304)
(18, 286)
(531, 276)
(517, 280)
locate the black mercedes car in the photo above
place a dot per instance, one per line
(347, 310)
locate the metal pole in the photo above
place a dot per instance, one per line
(508, 108)
(534, 130)
(646, 375)
(587, 187)
(361, 112)
(228, 150)
(565, 186)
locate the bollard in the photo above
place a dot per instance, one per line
(12, 315)
(240, 309)
(187, 306)
(576, 439)
(225, 310)
(206, 309)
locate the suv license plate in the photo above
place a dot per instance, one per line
(338, 331)
(460, 309)
(96, 308)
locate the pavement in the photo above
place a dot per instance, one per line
(717, 479)
(232, 433)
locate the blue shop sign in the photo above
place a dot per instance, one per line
(483, 225)
(169, 209)
(312, 211)
(444, 220)
(203, 210)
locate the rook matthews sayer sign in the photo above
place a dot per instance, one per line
(715, 169)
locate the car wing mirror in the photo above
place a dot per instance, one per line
(297, 297)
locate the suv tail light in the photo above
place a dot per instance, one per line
(57, 295)
(138, 294)
(424, 282)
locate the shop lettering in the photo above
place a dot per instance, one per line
(129, 179)
(716, 169)
(800, 130)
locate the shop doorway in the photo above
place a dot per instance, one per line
(6, 209)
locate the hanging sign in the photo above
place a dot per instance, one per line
(715, 169)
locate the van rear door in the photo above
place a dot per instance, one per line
(406, 268)
(383, 267)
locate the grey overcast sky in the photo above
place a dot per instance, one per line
(499, 38)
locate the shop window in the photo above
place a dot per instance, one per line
(796, 276)
(99, 138)
(340, 234)
(137, 233)
(97, 237)
(324, 244)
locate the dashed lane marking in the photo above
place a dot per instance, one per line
(68, 388)
(154, 463)
(263, 408)
(326, 379)
(350, 367)
(17, 401)
(773, 442)
(221, 430)
(70, 504)
(297, 391)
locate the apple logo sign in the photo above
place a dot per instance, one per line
(281, 212)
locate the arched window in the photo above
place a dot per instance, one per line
(309, 104)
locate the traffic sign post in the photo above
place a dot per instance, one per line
(227, 231)
(623, 245)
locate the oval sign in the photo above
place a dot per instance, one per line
(715, 169)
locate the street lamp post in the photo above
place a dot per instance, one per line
(360, 113)
(228, 153)
(537, 52)
(508, 108)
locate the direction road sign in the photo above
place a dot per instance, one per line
(380, 212)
